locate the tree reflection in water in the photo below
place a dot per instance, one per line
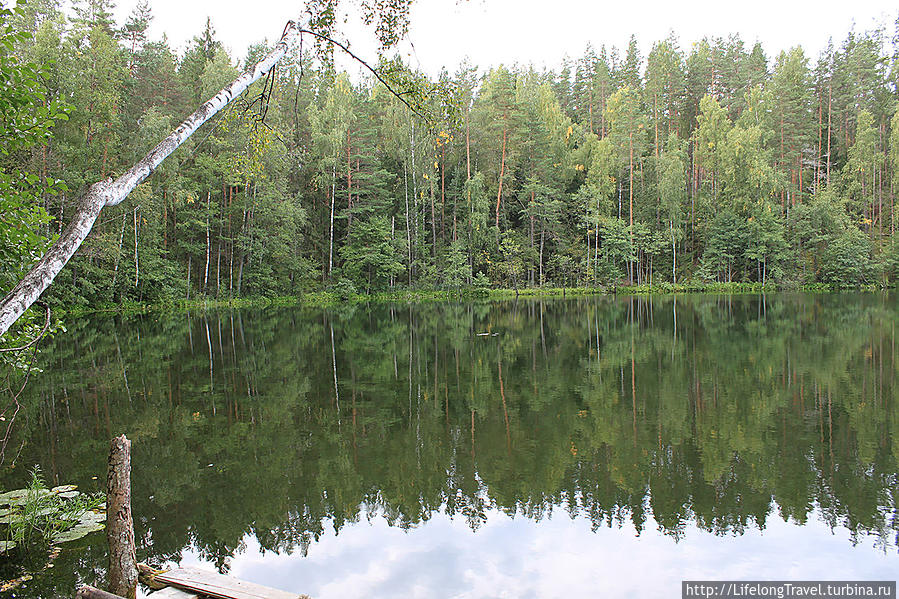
(716, 413)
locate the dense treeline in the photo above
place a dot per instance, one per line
(716, 163)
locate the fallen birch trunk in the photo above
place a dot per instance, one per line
(109, 192)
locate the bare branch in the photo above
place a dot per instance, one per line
(367, 66)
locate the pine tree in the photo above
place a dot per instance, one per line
(134, 34)
(792, 89)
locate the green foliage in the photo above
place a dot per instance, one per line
(372, 257)
(27, 115)
(28, 112)
(705, 167)
(845, 260)
(36, 516)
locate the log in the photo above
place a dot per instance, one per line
(119, 523)
(147, 577)
(89, 592)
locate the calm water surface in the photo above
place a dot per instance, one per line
(569, 448)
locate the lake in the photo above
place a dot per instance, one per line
(603, 446)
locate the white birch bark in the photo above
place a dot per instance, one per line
(110, 193)
(333, 200)
(115, 271)
(206, 272)
(136, 265)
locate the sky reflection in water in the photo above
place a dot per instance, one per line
(556, 557)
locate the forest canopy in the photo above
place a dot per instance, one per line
(714, 163)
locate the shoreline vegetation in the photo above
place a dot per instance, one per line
(329, 298)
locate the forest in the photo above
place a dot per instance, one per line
(714, 163)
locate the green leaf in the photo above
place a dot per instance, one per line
(77, 532)
(12, 518)
(92, 517)
(13, 497)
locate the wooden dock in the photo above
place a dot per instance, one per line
(194, 583)
(189, 583)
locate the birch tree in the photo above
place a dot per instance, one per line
(389, 21)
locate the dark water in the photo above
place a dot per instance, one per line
(602, 446)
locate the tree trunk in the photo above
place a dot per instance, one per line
(110, 193)
(433, 220)
(630, 210)
(673, 255)
(468, 190)
(783, 199)
(502, 170)
(208, 247)
(231, 270)
(240, 274)
(542, 238)
(443, 196)
(412, 249)
(820, 142)
(218, 266)
(136, 265)
(165, 221)
(531, 219)
(331, 235)
(115, 270)
(408, 227)
(349, 183)
(119, 523)
(596, 241)
(189, 264)
(829, 107)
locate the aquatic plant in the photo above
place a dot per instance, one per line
(37, 516)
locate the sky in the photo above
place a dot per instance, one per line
(493, 32)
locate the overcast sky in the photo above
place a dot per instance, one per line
(491, 32)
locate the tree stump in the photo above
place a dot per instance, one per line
(119, 522)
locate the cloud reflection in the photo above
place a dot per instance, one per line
(556, 557)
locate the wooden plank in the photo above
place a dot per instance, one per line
(172, 593)
(221, 587)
